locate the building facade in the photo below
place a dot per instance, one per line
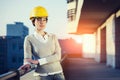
(17, 29)
(11, 47)
(73, 14)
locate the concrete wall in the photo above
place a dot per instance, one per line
(97, 54)
(110, 41)
(110, 44)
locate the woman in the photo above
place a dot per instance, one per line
(42, 49)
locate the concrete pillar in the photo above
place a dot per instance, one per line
(110, 39)
(97, 54)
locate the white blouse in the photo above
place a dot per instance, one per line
(41, 38)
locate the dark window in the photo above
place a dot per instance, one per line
(20, 47)
(14, 59)
(71, 14)
(68, 1)
(14, 46)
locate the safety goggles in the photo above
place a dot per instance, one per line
(41, 18)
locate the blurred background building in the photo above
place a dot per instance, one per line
(11, 47)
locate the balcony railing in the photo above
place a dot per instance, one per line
(16, 74)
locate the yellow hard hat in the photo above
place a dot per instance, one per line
(38, 11)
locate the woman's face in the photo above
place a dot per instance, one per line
(40, 23)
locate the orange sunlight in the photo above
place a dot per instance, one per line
(88, 45)
(78, 39)
(88, 42)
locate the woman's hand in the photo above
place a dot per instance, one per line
(25, 67)
(32, 61)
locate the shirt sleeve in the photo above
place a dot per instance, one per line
(57, 53)
(27, 50)
(42, 61)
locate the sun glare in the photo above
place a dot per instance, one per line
(78, 39)
(89, 44)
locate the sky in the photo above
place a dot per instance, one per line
(19, 11)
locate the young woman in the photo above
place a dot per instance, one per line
(42, 49)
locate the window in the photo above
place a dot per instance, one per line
(14, 59)
(71, 14)
(68, 1)
(14, 46)
(20, 47)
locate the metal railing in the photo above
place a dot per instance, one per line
(16, 74)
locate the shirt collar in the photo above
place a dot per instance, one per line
(41, 38)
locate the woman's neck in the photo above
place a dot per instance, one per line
(41, 33)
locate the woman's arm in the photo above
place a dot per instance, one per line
(54, 57)
(27, 50)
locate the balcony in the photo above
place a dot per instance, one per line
(22, 74)
(74, 69)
